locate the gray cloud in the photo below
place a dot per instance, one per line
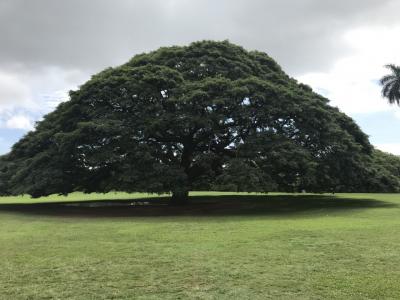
(50, 46)
(303, 35)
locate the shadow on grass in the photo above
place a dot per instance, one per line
(226, 205)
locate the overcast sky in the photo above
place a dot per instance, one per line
(48, 47)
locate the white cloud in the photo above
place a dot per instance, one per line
(397, 114)
(19, 122)
(52, 85)
(26, 95)
(393, 148)
(37, 90)
(352, 84)
(13, 93)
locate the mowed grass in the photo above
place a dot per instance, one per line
(222, 246)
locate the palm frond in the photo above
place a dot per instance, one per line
(386, 89)
(394, 69)
(391, 84)
(387, 78)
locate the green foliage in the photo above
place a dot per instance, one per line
(384, 173)
(207, 116)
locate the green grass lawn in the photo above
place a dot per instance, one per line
(233, 246)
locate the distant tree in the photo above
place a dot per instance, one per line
(210, 115)
(4, 174)
(384, 173)
(391, 84)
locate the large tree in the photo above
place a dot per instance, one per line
(210, 115)
(391, 84)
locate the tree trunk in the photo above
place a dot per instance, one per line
(180, 196)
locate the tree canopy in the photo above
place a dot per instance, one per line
(208, 116)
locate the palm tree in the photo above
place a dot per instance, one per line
(391, 84)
